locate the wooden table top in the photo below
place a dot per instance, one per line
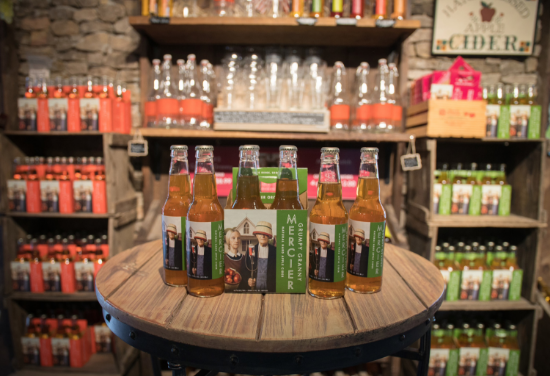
(130, 287)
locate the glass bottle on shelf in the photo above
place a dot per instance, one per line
(274, 82)
(317, 8)
(205, 251)
(362, 112)
(182, 86)
(357, 9)
(338, 102)
(382, 107)
(367, 225)
(224, 8)
(471, 343)
(151, 102)
(30, 91)
(394, 99)
(58, 88)
(287, 194)
(184, 8)
(293, 83)
(43, 92)
(167, 102)
(208, 97)
(297, 8)
(174, 216)
(380, 10)
(192, 104)
(248, 184)
(328, 231)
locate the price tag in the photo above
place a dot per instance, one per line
(159, 20)
(385, 23)
(306, 21)
(346, 21)
(411, 161)
(138, 146)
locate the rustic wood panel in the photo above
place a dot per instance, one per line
(510, 221)
(303, 317)
(227, 317)
(420, 275)
(122, 266)
(146, 295)
(396, 303)
(119, 186)
(496, 305)
(420, 182)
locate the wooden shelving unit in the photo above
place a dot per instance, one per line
(524, 161)
(276, 31)
(117, 222)
(314, 137)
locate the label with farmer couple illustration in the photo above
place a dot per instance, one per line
(327, 252)
(366, 248)
(205, 249)
(173, 242)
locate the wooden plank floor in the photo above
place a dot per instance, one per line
(131, 288)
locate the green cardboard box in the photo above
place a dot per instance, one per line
(287, 234)
(498, 121)
(506, 284)
(496, 199)
(442, 199)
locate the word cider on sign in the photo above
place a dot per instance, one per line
(292, 262)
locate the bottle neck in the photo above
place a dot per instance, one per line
(179, 169)
(288, 168)
(330, 169)
(248, 165)
(204, 184)
(369, 185)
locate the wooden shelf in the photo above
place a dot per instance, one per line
(32, 133)
(273, 31)
(511, 221)
(99, 364)
(55, 296)
(498, 305)
(333, 136)
(58, 215)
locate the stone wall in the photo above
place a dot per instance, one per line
(421, 62)
(77, 38)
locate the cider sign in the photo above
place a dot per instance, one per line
(485, 27)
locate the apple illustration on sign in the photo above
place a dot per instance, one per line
(487, 12)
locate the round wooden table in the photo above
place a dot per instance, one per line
(272, 333)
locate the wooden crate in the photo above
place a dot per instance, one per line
(447, 118)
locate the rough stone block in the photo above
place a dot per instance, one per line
(94, 42)
(417, 63)
(62, 13)
(528, 79)
(123, 43)
(531, 64)
(65, 43)
(129, 75)
(95, 26)
(96, 59)
(490, 78)
(122, 26)
(87, 14)
(421, 35)
(25, 51)
(103, 71)
(72, 55)
(65, 27)
(493, 61)
(508, 67)
(40, 38)
(32, 23)
(423, 49)
(111, 12)
(423, 7)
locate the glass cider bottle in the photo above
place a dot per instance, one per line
(367, 228)
(151, 103)
(205, 251)
(287, 195)
(174, 214)
(328, 231)
(248, 184)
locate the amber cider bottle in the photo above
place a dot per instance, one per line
(287, 195)
(328, 231)
(367, 221)
(174, 214)
(205, 230)
(248, 184)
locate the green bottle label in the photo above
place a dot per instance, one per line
(366, 248)
(475, 201)
(173, 242)
(504, 122)
(328, 252)
(291, 250)
(505, 200)
(534, 123)
(442, 199)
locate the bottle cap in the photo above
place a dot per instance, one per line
(204, 147)
(156, 61)
(249, 147)
(330, 150)
(288, 147)
(369, 150)
(178, 147)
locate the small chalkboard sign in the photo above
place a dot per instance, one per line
(346, 21)
(159, 20)
(411, 162)
(138, 146)
(306, 21)
(385, 23)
